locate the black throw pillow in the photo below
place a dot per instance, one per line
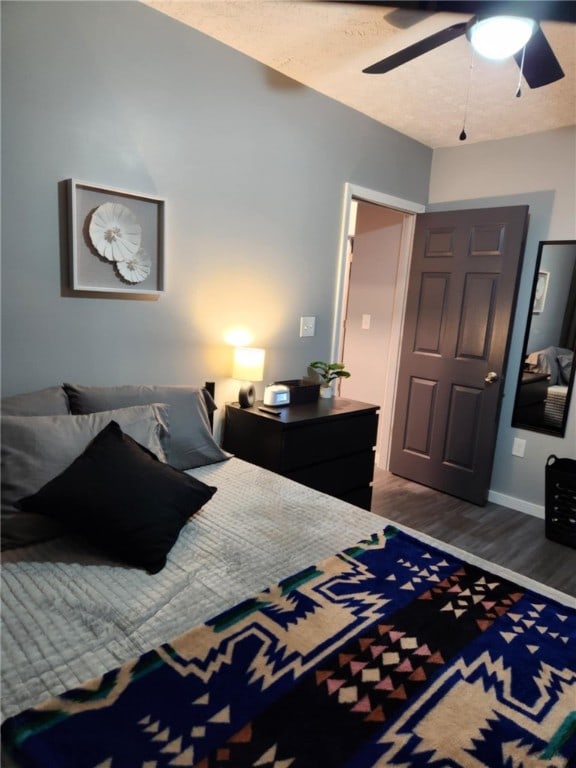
(123, 499)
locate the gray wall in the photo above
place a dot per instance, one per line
(252, 167)
(538, 170)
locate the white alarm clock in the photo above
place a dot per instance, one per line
(277, 394)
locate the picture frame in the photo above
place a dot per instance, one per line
(540, 292)
(116, 241)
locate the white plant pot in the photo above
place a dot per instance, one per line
(326, 390)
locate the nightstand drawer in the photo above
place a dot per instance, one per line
(327, 440)
(338, 476)
(327, 445)
(360, 497)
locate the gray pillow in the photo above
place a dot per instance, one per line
(565, 367)
(51, 401)
(191, 441)
(35, 449)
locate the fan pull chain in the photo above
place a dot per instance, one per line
(519, 89)
(463, 136)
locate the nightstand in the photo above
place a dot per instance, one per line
(327, 444)
(531, 399)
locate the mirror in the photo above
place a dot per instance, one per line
(546, 379)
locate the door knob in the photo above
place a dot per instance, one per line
(491, 377)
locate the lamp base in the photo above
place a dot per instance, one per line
(247, 395)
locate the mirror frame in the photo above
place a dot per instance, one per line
(517, 422)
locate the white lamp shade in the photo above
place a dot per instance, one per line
(248, 364)
(499, 37)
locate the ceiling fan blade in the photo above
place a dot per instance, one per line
(402, 18)
(417, 49)
(543, 10)
(541, 66)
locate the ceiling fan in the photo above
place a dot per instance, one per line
(533, 54)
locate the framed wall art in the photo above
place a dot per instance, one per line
(116, 241)
(540, 292)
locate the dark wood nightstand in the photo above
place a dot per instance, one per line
(327, 444)
(531, 398)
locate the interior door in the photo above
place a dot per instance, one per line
(460, 304)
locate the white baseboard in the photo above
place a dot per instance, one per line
(536, 510)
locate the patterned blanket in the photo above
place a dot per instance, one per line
(391, 653)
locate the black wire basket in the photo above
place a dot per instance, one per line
(560, 510)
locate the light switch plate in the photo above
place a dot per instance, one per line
(307, 326)
(518, 447)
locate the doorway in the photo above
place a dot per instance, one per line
(376, 246)
(440, 389)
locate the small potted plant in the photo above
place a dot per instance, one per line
(328, 372)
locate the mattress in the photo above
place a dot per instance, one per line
(68, 615)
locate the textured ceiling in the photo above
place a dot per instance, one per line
(325, 45)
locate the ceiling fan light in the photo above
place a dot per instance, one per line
(500, 37)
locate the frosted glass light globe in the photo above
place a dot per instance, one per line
(499, 37)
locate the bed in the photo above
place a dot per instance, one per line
(252, 616)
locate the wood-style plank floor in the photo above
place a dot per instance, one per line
(500, 535)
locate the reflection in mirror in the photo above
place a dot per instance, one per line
(546, 377)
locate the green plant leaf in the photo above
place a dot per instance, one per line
(328, 372)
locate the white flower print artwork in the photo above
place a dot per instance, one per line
(117, 236)
(115, 232)
(135, 268)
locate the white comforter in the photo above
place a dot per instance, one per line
(68, 616)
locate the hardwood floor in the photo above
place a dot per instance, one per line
(500, 535)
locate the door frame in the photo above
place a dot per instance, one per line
(410, 208)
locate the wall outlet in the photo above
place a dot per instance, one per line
(518, 447)
(366, 320)
(307, 326)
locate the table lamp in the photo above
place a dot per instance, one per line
(248, 366)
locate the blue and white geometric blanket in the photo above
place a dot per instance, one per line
(391, 653)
